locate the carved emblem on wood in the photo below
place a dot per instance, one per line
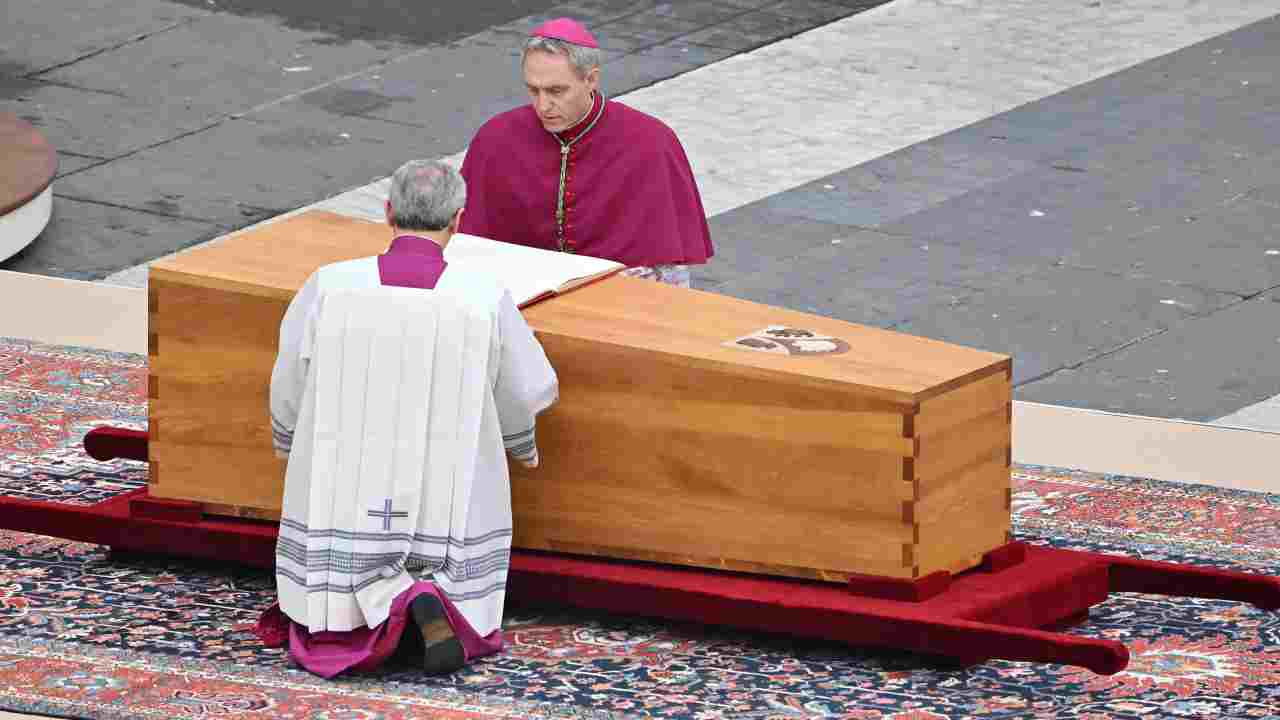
(784, 340)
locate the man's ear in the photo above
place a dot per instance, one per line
(593, 78)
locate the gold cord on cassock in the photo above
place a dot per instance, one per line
(564, 170)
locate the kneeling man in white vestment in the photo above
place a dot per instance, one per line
(401, 384)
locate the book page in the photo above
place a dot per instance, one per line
(528, 273)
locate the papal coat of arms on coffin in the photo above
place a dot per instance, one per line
(784, 340)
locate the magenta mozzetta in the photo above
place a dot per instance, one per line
(607, 180)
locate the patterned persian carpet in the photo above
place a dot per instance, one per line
(84, 633)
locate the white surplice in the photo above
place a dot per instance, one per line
(395, 406)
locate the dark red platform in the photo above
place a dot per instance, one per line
(1008, 608)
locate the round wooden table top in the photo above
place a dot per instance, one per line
(27, 163)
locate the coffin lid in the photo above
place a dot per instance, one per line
(273, 260)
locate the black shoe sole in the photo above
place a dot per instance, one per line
(440, 656)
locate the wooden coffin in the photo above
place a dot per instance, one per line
(686, 432)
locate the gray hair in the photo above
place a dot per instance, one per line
(425, 195)
(582, 58)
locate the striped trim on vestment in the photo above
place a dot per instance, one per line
(522, 445)
(348, 562)
(281, 436)
(327, 587)
(296, 526)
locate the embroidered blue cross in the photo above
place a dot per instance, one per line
(386, 514)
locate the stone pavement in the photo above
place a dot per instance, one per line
(1121, 239)
(176, 123)
(1027, 176)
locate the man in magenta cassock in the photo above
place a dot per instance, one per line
(577, 173)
